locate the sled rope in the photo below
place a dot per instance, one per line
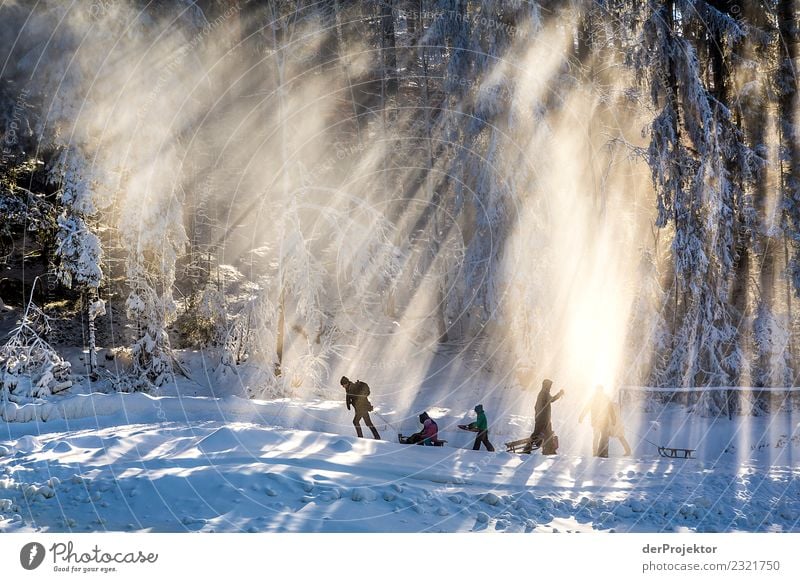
(386, 422)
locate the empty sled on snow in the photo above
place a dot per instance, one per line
(673, 453)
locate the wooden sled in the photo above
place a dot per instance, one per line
(404, 441)
(672, 453)
(523, 446)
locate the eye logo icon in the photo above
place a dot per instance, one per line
(31, 556)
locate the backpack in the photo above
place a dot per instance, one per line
(359, 388)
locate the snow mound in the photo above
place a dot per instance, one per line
(341, 446)
(221, 440)
(28, 444)
(58, 447)
(62, 447)
(229, 439)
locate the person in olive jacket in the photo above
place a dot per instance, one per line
(481, 425)
(357, 396)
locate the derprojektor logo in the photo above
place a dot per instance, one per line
(32, 555)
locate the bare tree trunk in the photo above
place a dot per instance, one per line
(90, 297)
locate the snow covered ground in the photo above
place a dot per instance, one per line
(178, 463)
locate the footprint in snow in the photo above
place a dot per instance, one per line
(363, 494)
(193, 523)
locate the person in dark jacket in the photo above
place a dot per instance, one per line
(481, 426)
(428, 434)
(542, 425)
(356, 395)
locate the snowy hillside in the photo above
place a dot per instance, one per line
(137, 463)
(212, 211)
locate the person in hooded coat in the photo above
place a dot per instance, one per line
(542, 425)
(428, 434)
(481, 425)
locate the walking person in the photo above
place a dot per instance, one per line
(481, 426)
(602, 418)
(356, 395)
(542, 425)
(616, 428)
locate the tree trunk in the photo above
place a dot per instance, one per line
(284, 185)
(789, 49)
(388, 45)
(329, 48)
(281, 331)
(741, 252)
(679, 307)
(90, 297)
(756, 120)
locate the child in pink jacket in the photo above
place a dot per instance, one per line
(428, 434)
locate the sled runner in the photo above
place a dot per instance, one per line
(672, 453)
(467, 427)
(404, 441)
(530, 444)
(523, 445)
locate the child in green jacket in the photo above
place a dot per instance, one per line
(482, 427)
